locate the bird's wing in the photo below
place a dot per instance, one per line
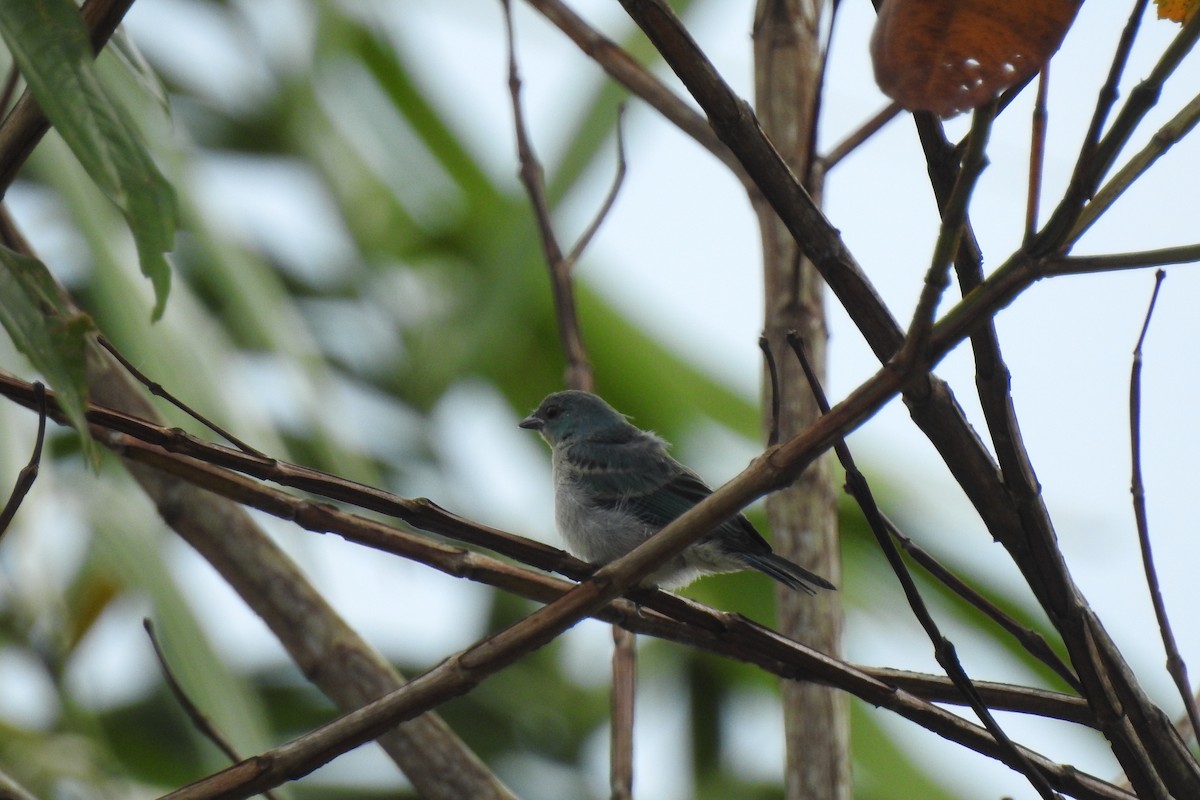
(615, 473)
(655, 488)
(666, 499)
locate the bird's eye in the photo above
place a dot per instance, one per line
(553, 412)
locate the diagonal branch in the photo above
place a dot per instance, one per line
(1031, 640)
(157, 390)
(622, 68)
(579, 370)
(198, 718)
(944, 650)
(859, 137)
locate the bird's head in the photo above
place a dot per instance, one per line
(577, 415)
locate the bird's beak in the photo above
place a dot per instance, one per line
(532, 423)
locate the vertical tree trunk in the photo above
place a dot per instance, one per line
(789, 56)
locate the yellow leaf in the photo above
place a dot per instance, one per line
(1177, 10)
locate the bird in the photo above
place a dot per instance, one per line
(615, 486)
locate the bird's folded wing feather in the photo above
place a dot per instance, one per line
(652, 486)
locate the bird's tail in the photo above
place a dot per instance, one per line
(791, 575)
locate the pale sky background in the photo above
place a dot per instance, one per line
(680, 251)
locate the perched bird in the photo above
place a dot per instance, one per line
(615, 486)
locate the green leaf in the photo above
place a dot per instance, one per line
(50, 333)
(49, 42)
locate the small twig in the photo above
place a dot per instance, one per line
(944, 650)
(1012, 93)
(858, 137)
(623, 69)
(618, 179)
(1037, 153)
(202, 723)
(579, 370)
(1087, 172)
(954, 217)
(1095, 161)
(621, 743)
(1176, 666)
(773, 374)
(1081, 265)
(157, 390)
(1163, 140)
(1107, 97)
(29, 472)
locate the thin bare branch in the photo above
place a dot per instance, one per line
(992, 375)
(579, 370)
(1163, 140)
(1110, 262)
(860, 136)
(157, 390)
(622, 68)
(773, 379)
(954, 218)
(1176, 666)
(28, 473)
(1037, 153)
(198, 718)
(1087, 172)
(1031, 640)
(585, 238)
(1094, 162)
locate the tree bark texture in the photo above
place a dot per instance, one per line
(789, 59)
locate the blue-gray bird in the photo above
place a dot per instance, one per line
(615, 486)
